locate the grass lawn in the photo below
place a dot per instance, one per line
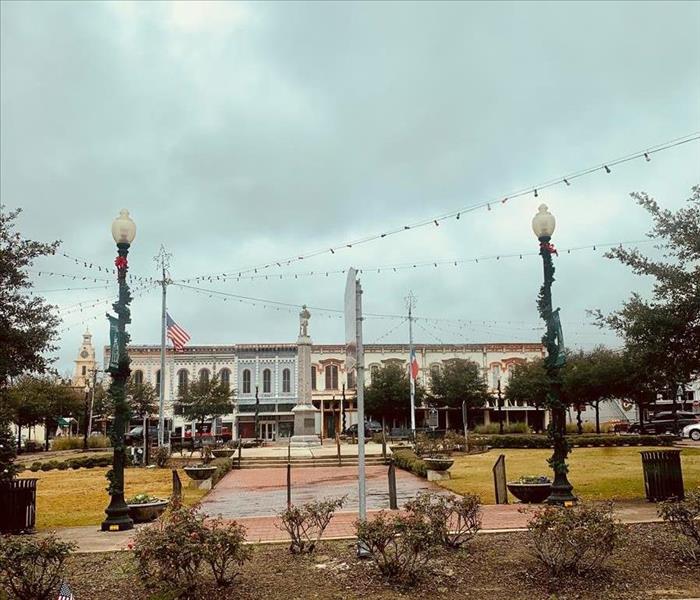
(596, 473)
(78, 497)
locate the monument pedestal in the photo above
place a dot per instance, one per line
(305, 426)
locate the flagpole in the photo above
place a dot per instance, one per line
(162, 259)
(410, 300)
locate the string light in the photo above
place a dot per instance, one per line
(470, 208)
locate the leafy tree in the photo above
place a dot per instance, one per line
(27, 323)
(388, 395)
(528, 384)
(8, 452)
(663, 332)
(34, 399)
(459, 381)
(204, 399)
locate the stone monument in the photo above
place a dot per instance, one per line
(304, 411)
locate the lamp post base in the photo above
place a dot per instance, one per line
(118, 518)
(561, 494)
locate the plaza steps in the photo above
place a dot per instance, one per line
(270, 462)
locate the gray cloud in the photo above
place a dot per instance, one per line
(240, 133)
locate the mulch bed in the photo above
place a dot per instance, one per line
(493, 567)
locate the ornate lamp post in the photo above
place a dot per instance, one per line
(123, 232)
(543, 225)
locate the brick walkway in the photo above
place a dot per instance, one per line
(263, 492)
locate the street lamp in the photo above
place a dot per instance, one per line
(543, 225)
(123, 232)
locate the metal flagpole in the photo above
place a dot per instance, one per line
(163, 260)
(410, 301)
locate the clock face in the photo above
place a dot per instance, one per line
(84, 354)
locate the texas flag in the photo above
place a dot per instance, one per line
(413, 362)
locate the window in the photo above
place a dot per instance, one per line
(332, 377)
(137, 377)
(246, 381)
(182, 378)
(158, 382)
(267, 381)
(204, 375)
(84, 370)
(286, 381)
(351, 379)
(495, 375)
(225, 377)
(374, 369)
(434, 370)
(313, 377)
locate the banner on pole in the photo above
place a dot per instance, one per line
(113, 343)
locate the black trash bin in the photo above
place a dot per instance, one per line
(663, 478)
(17, 505)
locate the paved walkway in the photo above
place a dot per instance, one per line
(263, 492)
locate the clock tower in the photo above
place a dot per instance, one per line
(85, 363)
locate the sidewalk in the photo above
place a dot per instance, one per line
(495, 519)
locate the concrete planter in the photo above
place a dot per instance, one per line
(438, 463)
(223, 452)
(530, 493)
(148, 511)
(200, 473)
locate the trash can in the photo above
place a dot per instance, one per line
(17, 505)
(663, 478)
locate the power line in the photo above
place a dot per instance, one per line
(456, 214)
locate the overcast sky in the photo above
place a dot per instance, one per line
(238, 134)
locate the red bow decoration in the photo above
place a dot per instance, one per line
(549, 247)
(121, 263)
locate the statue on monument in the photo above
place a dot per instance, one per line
(304, 317)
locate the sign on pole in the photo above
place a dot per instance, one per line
(351, 321)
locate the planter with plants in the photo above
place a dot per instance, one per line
(223, 452)
(531, 489)
(144, 508)
(200, 472)
(438, 463)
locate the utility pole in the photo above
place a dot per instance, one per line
(410, 303)
(162, 259)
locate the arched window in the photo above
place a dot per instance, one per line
(267, 381)
(374, 369)
(225, 377)
(137, 377)
(84, 370)
(351, 380)
(182, 378)
(495, 375)
(434, 370)
(286, 381)
(313, 377)
(204, 375)
(332, 377)
(246, 381)
(158, 382)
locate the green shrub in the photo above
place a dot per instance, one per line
(62, 466)
(35, 466)
(161, 456)
(174, 551)
(98, 441)
(409, 461)
(542, 441)
(574, 540)
(397, 544)
(32, 568)
(454, 520)
(305, 524)
(684, 517)
(67, 443)
(493, 428)
(33, 446)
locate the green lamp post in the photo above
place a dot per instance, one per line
(543, 225)
(123, 232)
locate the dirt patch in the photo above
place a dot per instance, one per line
(493, 567)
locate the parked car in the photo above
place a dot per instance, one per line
(135, 435)
(692, 431)
(664, 422)
(371, 427)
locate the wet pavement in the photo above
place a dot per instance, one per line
(263, 492)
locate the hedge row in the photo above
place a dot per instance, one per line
(542, 441)
(87, 462)
(408, 460)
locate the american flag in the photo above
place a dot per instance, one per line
(177, 335)
(64, 593)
